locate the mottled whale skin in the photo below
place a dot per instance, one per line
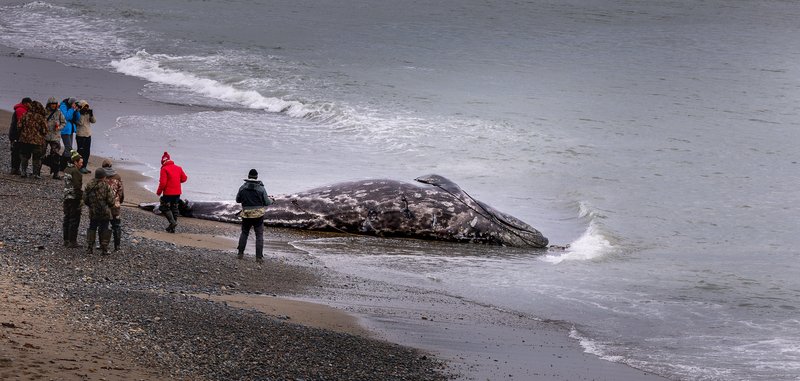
(434, 208)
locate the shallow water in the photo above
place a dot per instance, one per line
(657, 138)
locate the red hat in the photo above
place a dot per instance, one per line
(164, 158)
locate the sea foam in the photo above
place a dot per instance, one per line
(147, 66)
(592, 244)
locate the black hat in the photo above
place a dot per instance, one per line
(253, 174)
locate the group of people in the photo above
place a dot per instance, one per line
(46, 132)
(103, 195)
(38, 131)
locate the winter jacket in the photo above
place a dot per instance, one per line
(55, 122)
(33, 125)
(73, 183)
(71, 116)
(84, 124)
(19, 111)
(99, 197)
(115, 182)
(169, 182)
(252, 195)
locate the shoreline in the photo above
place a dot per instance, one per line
(419, 319)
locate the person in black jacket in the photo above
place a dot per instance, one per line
(254, 200)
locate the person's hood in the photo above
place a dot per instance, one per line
(167, 162)
(20, 105)
(252, 183)
(110, 171)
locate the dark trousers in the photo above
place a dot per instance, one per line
(258, 226)
(84, 144)
(99, 225)
(72, 219)
(31, 152)
(52, 159)
(15, 157)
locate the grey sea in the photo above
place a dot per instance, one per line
(658, 139)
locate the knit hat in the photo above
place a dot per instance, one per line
(74, 155)
(83, 103)
(106, 163)
(52, 100)
(164, 158)
(71, 101)
(253, 174)
(99, 173)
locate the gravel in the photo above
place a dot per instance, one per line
(139, 300)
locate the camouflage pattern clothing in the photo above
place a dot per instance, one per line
(73, 183)
(114, 180)
(33, 126)
(99, 197)
(73, 195)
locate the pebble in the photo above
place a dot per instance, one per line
(137, 300)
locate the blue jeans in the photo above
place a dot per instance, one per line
(67, 140)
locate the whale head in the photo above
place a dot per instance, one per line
(514, 230)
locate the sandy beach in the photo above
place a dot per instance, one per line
(180, 306)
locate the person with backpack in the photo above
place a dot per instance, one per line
(99, 197)
(115, 182)
(254, 200)
(13, 132)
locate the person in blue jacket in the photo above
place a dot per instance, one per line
(69, 108)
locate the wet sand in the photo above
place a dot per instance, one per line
(478, 342)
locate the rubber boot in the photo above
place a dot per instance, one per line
(171, 219)
(56, 168)
(105, 239)
(117, 231)
(90, 238)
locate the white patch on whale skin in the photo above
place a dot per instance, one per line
(473, 222)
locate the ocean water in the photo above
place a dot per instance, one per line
(657, 138)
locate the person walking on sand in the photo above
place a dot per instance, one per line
(55, 122)
(68, 108)
(73, 195)
(254, 200)
(13, 132)
(114, 180)
(169, 188)
(83, 133)
(99, 197)
(32, 133)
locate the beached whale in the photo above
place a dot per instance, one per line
(434, 208)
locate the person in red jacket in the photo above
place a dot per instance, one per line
(169, 188)
(13, 133)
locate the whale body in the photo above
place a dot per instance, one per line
(433, 208)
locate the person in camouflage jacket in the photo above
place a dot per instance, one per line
(99, 197)
(32, 131)
(73, 197)
(115, 181)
